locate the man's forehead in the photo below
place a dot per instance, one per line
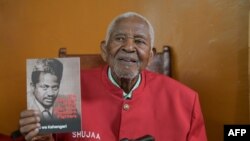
(132, 25)
(46, 76)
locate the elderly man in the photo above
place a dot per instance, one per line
(123, 101)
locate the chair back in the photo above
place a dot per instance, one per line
(161, 62)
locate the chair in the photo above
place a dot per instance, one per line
(160, 63)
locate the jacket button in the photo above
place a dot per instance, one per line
(126, 107)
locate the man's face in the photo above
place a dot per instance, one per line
(128, 49)
(46, 90)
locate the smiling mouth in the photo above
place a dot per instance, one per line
(128, 60)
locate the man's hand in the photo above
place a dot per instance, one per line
(29, 126)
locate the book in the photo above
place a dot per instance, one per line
(53, 88)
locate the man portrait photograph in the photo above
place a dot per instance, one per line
(54, 99)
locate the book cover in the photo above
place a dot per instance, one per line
(53, 88)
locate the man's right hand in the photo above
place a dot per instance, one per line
(29, 126)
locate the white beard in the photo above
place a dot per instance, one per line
(125, 72)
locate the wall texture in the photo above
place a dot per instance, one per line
(209, 40)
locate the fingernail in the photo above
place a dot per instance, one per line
(38, 124)
(38, 118)
(36, 112)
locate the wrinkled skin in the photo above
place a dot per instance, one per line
(128, 51)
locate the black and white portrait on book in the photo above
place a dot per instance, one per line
(53, 89)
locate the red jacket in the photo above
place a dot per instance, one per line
(160, 107)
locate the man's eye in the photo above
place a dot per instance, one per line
(119, 38)
(43, 87)
(140, 41)
(55, 88)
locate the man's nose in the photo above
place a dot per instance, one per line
(50, 91)
(129, 45)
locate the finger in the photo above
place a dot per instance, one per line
(31, 134)
(29, 120)
(29, 128)
(29, 113)
(44, 137)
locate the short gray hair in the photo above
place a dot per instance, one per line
(127, 15)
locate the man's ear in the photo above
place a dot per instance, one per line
(151, 54)
(32, 86)
(104, 53)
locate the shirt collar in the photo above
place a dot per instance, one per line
(125, 95)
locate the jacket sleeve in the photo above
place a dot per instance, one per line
(197, 127)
